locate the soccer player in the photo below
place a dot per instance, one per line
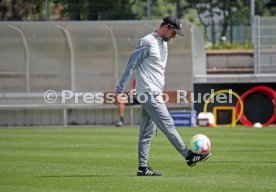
(149, 60)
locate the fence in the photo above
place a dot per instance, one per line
(265, 45)
(264, 30)
(237, 32)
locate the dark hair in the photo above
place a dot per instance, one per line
(165, 23)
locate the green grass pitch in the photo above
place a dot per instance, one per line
(105, 159)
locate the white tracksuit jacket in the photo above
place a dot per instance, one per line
(149, 60)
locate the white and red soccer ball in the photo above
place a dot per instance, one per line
(200, 144)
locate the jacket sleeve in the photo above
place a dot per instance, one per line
(136, 58)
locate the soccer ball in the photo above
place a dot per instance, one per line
(200, 144)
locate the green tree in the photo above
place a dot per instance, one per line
(265, 7)
(75, 8)
(229, 10)
(98, 9)
(110, 10)
(159, 8)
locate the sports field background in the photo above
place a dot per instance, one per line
(105, 159)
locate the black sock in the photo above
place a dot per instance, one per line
(122, 119)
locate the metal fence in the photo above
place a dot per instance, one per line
(264, 37)
(265, 45)
(237, 32)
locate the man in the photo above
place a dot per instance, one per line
(149, 59)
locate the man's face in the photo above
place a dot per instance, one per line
(170, 33)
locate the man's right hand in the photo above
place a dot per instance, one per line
(121, 98)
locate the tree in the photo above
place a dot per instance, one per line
(75, 8)
(110, 10)
(266, 8)
(159, 8)
(211, 12)
(98, 9)
(206, 12)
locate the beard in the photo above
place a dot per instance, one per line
(166, 39)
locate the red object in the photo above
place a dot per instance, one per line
(259, 89)
(134, 84)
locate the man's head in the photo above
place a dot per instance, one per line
(169, 28)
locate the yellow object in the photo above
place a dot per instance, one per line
(225, 91)
(233, 109)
